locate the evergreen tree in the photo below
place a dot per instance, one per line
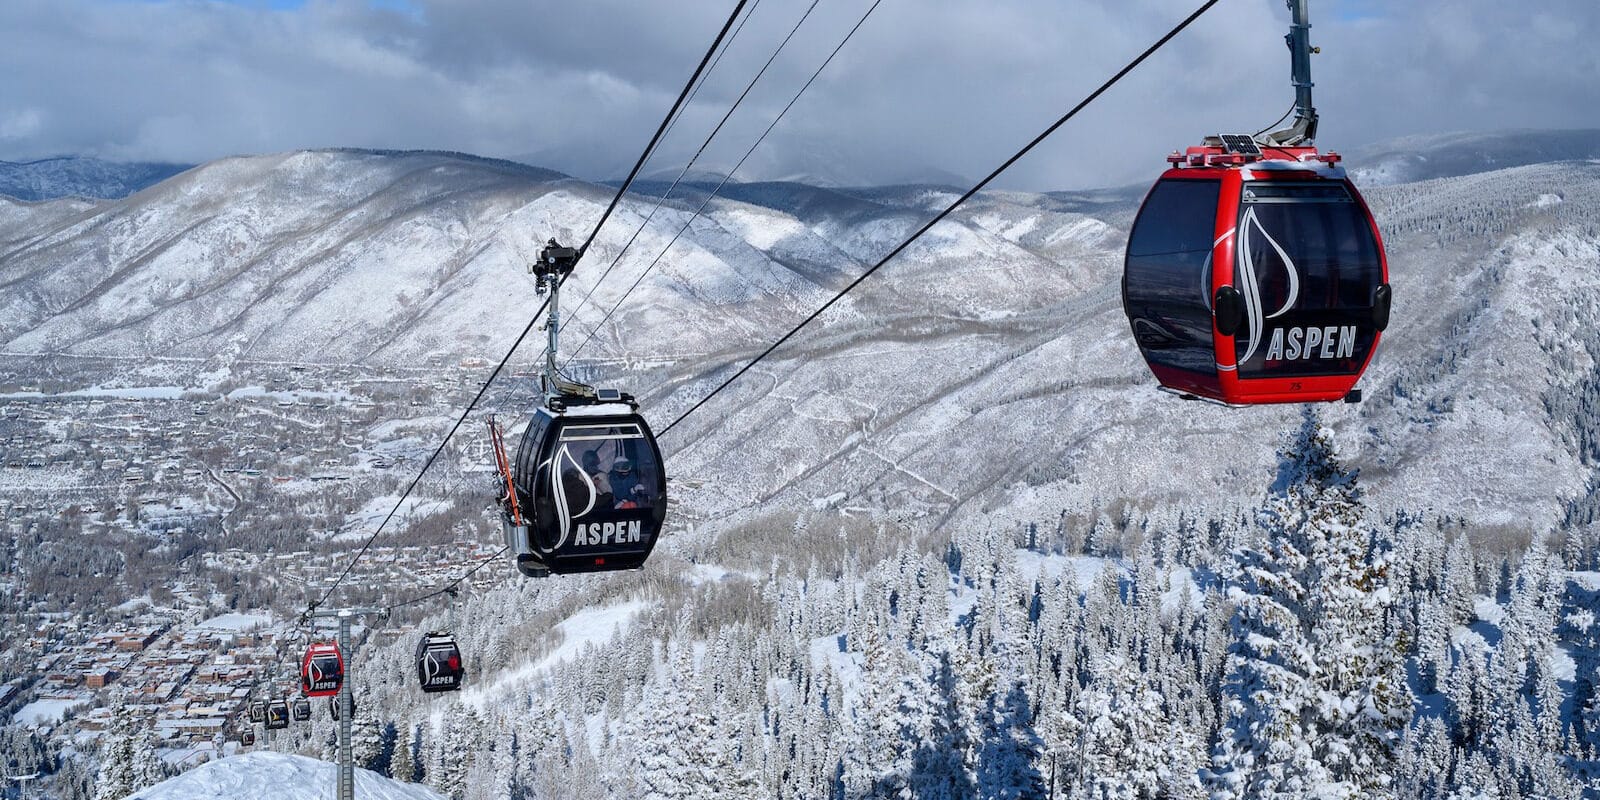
(1467, 692)
(1129, 748)
(1009, 750)
(454, 751)
(117, 778)
(403, 765)
(128, 758)
(1475, 780)
(888, 713)
(938, 770)
(675, 750)
(1460, 580)
(366, 740)
(1315, 693)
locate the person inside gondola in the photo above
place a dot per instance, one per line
(602, 482)
(626, 485)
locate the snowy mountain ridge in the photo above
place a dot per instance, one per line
(78, 176)
(1001, 330)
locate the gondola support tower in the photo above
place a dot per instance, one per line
(346, 786)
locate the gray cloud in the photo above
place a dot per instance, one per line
(927, 87)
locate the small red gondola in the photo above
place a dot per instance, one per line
(322, 670)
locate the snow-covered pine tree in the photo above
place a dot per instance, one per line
(1424, 768)
(128, 758)
(1475, 780)
(1315, 696)
(1467, 693)
(1591, 718)
(366, 740)
(1008, 751)
(403, 765)
(117, 778)
(1433, 645)
(670, 742)
(453, 752)
(939, 770)
(1460, 579)
(148, 767)
(1130, 749)
(884, 719)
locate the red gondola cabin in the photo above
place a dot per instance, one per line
(1256, 277)
(322, 670)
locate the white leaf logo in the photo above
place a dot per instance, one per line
(563, 511)
(1250, 290)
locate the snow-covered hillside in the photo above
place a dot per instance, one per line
(50, 178)
(1419, 158)
(987, 372)
(275, 776)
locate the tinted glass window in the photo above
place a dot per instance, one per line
(1307, 266)
(1167, 279)
(606, 472)
(526, 464)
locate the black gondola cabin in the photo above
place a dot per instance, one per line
(588, 489)
(439, 666)
(277, 715)
(1256, 278)
(301, 710)
(333, 708)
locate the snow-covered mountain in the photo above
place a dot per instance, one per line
(278, 776)
(1426, 157)
(986, 373)
(77, 176)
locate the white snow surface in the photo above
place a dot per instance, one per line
(47, 711)
(590, 627)
(594, 626)
(236, 622)
(276, 776)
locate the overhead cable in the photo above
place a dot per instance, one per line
(1095, 95)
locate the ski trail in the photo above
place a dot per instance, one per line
(908, 473)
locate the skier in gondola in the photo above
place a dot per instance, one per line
(626, 485)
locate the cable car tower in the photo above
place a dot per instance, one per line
(587, 488)
(345, 777)
(1255, 272)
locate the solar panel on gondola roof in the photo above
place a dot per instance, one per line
(1241, 143)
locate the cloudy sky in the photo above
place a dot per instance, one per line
(927, 88)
